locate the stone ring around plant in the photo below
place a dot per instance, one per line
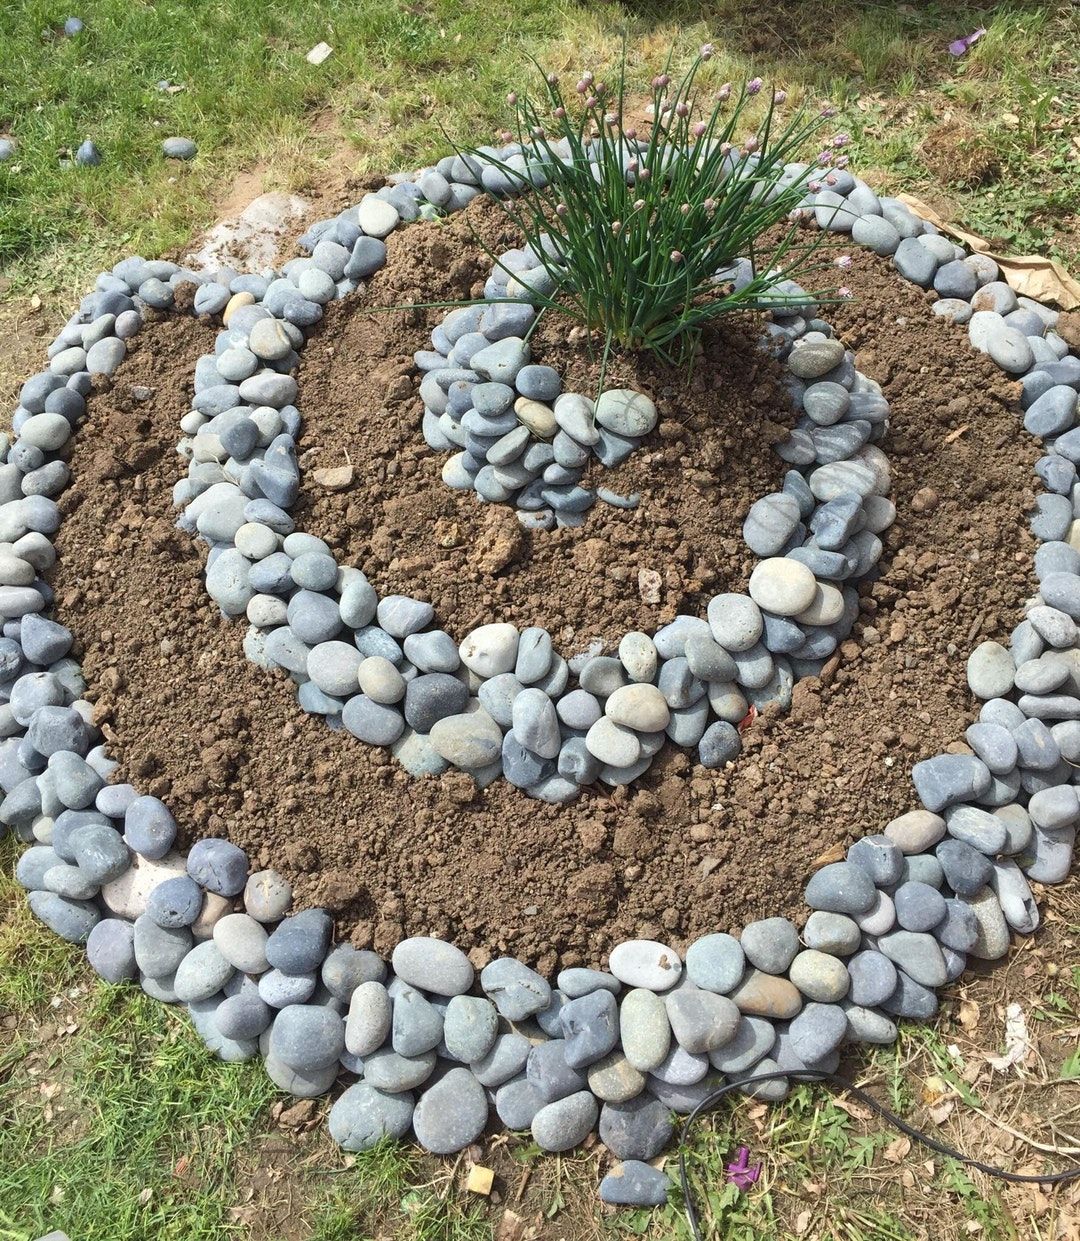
(434, 1048)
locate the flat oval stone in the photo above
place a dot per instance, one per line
(767, 995)
(841, 887)
(782, 586)
(626, 412)
(644, 1029)
(645, 963)
(565, 1123)
(432, 965)
(716, 962)
(362, 1116)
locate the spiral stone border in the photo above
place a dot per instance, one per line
(897, 919)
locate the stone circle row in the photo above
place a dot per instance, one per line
(500, 701)
(621, 1048)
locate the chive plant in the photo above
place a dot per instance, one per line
(639, 236)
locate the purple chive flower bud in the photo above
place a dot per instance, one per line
(725, 148)
(506, 135)
(666, 108)
(779, 96)
(813, 186)
(553, 79)
(511, 98)
(707, 50)
(841, 140)
(841, 161)
(724, 92)
(676, 256)
(709, 204)
(754, 85)
(610, 119)
(644, 174)
(559, 112)
(825, 158)
(587, 77)
(630, 133)
(664, 79)
(581, 87)
(751, 145)
(831, 179)
(616, 227)
(828, 110)
(843, 261)
(632, 166)
(639, 203)
(684, 209)
(561, 210)
(681, 109)
(592, 101)
(844, 292)
(538, 132)
(699, 129)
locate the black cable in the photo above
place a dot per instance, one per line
(835, 1079)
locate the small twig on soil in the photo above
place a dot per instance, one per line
(1041, 1146)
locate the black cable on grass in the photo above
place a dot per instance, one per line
(835, 1079)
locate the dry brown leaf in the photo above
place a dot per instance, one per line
(802, 1222)
(1045, 280)
(969, 1014)
(897, 1150)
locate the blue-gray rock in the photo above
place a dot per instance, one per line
(634, 1183)
(160, 949)
(770, 944)
(243, 1016)
(517, 991)
(702, 1021)
(417, 1025)
(873, 978)
(179, 148)
(149, 827)
(99, 852)
(841, 887)
(450, 1114)
(433, 965)
(508, 1057)
(919, 907)
(202, 973)
(548, 1071)
(363, 1116)
(299, 943)
(219, 866)
(950, 778)
(966, 869)
(110, 949)
(716, 962)
(817, 1031)
(470, 1027)
(637, 1129)
(279, 989)
(517, 1103)
(565, 1123)
(577, 981)
(753, 1037)
(719, 744)
(346, 968)
(307, 1037)
(590, 1027)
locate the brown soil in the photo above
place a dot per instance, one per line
(684, 851)
(623, 570)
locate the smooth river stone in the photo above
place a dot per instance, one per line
(782, 586)
(645, 963)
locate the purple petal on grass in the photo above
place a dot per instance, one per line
(740, 1173)
(959, 46)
